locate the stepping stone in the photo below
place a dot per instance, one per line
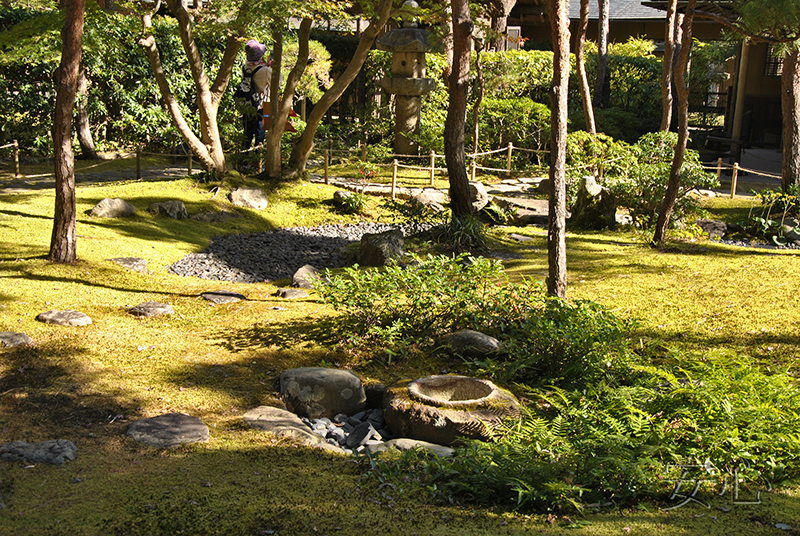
(283, 425)
(151, 308)
(132, 263)
(223, 296)
(113, 208)
(169, 430)
(403, 444)
(292, 293)
(215, 217)
(53, 452)
(10, 338)
(316, 392)
(519, 237)
(64, 318)
(174, 209)
(254, 198)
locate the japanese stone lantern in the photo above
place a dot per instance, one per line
(408, 46)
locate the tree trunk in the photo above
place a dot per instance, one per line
(279, 109)
(673, 186)
(88, 151)
(580, 61)
(557, 219)
(62, 241)
(305, 143)
(455, 123)
(476, 108)
(790, 101)
(499, 24)
(666, 72)
(602, 88)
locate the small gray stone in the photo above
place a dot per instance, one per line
(64, 318)
(282, 424)
(292, 293)
(223, 296)
(174, 209)
(478, 195)
(254, 198)
(360, 435)
(11, 338)
(520, 238)
(113, 208)
(470, 343)
(713, 228)
(304, 275)
(404, 444)
(169, 430)
(132, 263)
(53, 452)
(150, 309)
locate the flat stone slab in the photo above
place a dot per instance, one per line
(292, 293)
(113, 208)
(136, 264)
(11, 338)
(216, 217)
(168, 430)
(64, 318)
(404, 443)
(254, 198)
(520, 238)
(220, 297)
(150, 309)
(283, 425)
(53, 452)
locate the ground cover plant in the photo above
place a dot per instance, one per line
(706, 312)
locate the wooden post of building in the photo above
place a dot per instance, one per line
(138, 163)
(433, 166)
(734, 178)
(394, 177)
(327, 163)
(16, 159)
(508, 158)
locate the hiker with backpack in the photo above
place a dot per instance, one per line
(253, 92)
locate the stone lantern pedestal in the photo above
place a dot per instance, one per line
(408, 83)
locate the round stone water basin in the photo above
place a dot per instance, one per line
(451, 391)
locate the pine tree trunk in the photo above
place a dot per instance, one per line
(63, 242)
(666, 73)
(673, 186)
(557, 220)
(85, 140)
(602, 88)
(790, 101)
(580, 61)
(455, 123)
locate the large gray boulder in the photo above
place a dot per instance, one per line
(174, 209)
(595, 207)
(379, 249)
(469, 343)
(713, 228)
(113, 208)
(316, 392)
(304, 276)
(254, 198)
(478, 195)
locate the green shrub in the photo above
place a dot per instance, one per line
(521, 121)
(776, 206)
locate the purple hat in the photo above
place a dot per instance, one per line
(254, 50)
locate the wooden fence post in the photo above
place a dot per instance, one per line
(508, 158)
(364, 152)
(16, 159)
(138, 163)
(394, 177)
(327, 163)
(719, 168)
(474, 169)
(734, 178)
(433, 165)
(189, 164)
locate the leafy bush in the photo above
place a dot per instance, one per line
(354, 203)
(643, 188)
(521, 121)
(598, 155)
(774, 204)
(461, 234)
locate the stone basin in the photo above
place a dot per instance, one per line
(444, 409)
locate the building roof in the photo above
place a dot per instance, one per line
(619, 10)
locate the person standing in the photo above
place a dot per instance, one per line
(260, 73)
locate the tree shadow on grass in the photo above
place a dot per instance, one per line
(320, 331)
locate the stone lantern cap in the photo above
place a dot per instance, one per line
(406, 40)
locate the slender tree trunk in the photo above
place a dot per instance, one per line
(305, 143)
(476, 108)
(62, 241)
(666, 72)
(602, 88)
(790, 101)
(282, 103)
(673, 186)
(455, 123)
(583, 80)
(557, 220)
(88, 151)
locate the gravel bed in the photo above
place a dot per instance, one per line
(275, 255)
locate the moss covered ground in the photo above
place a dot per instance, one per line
(87, 384)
